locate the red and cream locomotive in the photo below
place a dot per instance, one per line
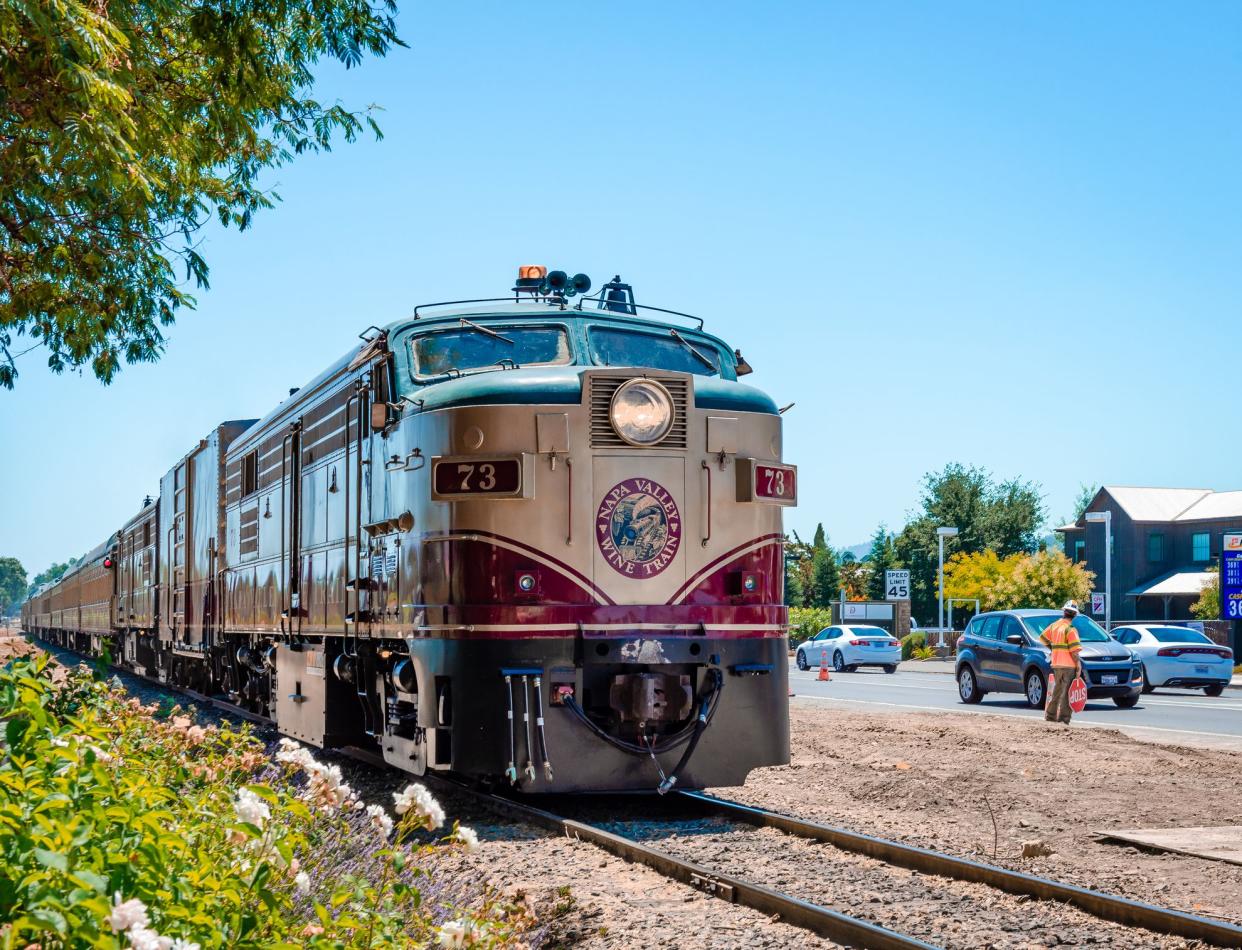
(534, 540)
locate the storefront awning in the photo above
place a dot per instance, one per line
(1184, 582)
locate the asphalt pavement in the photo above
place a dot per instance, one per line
(1176, 716)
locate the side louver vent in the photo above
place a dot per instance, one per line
(603, 436)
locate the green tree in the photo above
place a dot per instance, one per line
(53, 573)
(883, 557)
(1002, 516)
(799, 558)
(1207, 607)
(820, 541)
(827, 576)
(1086, 495)
(124, 128)
(794, 595)
(855, 577)
(12, 583)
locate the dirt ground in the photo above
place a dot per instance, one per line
(932, 779)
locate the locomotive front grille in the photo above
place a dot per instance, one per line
(603, 436)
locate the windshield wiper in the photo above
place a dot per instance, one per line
(691, 347)
(481, 329)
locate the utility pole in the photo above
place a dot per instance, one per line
(941, 534)
(1106, 517)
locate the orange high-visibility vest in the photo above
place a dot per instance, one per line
(1063, 639)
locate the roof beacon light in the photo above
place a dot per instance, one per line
(530, 278)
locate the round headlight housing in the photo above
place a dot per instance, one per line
(642, 411)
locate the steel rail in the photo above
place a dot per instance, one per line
(824, 921)
(1100, 904)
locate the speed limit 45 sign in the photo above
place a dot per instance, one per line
(896, 585)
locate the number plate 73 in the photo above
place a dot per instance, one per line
(767, 482)
(460, 477)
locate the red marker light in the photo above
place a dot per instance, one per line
(108, 563)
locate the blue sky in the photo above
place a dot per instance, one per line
(1001, 234)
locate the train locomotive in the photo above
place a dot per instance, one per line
(534, 541)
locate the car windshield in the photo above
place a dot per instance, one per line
(1088, 630)
(475, 347)
(1177, 635)
(672, 351)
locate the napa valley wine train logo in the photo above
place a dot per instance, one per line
(638, 528)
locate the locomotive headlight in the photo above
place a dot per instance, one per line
(642, 411)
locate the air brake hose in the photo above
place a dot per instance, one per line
(672, 742)
(700, 726)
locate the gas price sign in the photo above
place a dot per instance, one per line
(1231, 577)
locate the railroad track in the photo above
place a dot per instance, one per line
(832, 924)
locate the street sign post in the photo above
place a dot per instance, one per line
(1231, 577)
(1097, 604)
(896, 585)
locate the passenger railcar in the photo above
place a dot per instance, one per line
(534, 541)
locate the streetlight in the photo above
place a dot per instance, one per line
(1107, 518)
(941, 534)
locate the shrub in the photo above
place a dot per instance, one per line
(805, 622)
(124, 825)
(911, 642)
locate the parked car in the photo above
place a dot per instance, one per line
(1177, 656)
(1000, 652)
(849, 647)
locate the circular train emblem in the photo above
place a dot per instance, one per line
(638, 528)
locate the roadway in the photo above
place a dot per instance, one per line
(1174, 716)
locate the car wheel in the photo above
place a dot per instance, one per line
(1148, 687)
(967, 686)
(1036, 689)
(1126, 702)
(802, 663)
(1215, 689)
(891, 668)
(838, 662)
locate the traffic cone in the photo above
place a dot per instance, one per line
(823, 668)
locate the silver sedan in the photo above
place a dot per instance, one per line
(1178, 656)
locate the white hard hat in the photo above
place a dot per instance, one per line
(1071, 606)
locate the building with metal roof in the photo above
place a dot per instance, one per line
(1166, 542)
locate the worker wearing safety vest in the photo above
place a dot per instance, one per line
(1062, 639)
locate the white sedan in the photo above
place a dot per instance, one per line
(1178, 656)
(848, 648)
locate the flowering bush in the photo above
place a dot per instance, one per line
(805, 622)
(127, 826)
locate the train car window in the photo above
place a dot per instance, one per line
(146, 534)
(250, 473)
(475, 348)
(682, 353)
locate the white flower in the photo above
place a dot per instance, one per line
(131, 913)
(101, 755)
(469, 837)
(60, 743)
(454, 933)
(325, 788)
(416, 797)
(293, 753)
(180, 944)
(251, 808)
(380, 819)
(301, 883)
(140, 938)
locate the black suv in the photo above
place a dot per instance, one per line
(1000, 652)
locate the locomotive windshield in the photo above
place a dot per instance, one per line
(670, 350)
(474, 347)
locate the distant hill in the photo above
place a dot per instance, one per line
(859, 551)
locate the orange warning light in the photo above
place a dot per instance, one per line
(532, 272)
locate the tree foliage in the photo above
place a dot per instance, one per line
(883, 557)
(1042, 579)
(1207, 607)
(125, 127)
(1003, 516)
(855, 578)
(12, 583)
(827, 575)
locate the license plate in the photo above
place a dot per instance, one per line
(1108, 680)
(1202, 669)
